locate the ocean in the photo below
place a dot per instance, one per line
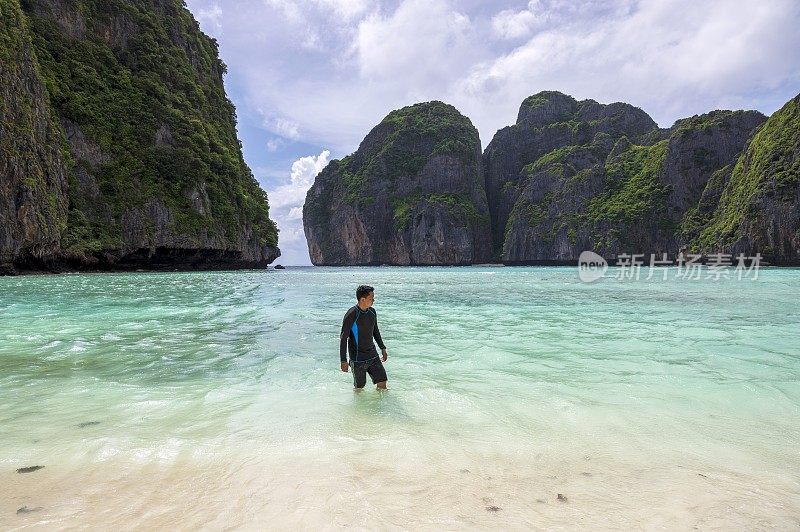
(518, 398)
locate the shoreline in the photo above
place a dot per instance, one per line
(160, 259)
(410, 487)
(5, 272)
(25, 271)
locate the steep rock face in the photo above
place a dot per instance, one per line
(412, 194)
(759, 195)
(33, 201)
(699, 146)
(157, 177)
(617, 184)
(524, 161)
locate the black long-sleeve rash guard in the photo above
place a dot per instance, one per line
(359, 327)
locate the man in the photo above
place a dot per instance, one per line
(359, 327)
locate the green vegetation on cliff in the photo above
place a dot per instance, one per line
(770, 160)
(31, 147)
(404, 142)
(451, 132)
(698, 217)
(412, 135)
(578, 174)
(459, 207)
(633, 188)
(144, 86)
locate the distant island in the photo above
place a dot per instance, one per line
(568, 176)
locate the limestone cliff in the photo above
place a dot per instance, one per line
(759, 195)
(33, 183)
(412, 194)
(544, 168)
(122, 107)
(572, 176)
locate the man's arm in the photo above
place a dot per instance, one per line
(377, 334)
(347, 323)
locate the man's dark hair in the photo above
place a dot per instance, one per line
(363, 291)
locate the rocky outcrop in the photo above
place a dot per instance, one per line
(123, 144)
(555, 139)
(33, 183)
(758, 210)
(412, 194)
(573, 176)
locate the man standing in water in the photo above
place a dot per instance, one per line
(359, 327)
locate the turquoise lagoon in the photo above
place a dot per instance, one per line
(209, 400)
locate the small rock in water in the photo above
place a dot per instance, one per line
(87, 424)
(562, 498)
(493, 508)
(26, 510)
(29, 469)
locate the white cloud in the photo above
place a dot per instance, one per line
(423, 40)
(286, 207)
(274, 144)
(510, 24)
(295, 213)
(304, 170)
(551, 14)
(211, 18)
(671, 57)
(280, 125)
(347, 9)
(314, 24)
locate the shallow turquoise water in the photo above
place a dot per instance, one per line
(491, 369)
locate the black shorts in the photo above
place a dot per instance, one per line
(375, 369)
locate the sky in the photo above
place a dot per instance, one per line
(310, 78)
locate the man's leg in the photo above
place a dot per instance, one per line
(378, 374)
(359, 376)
